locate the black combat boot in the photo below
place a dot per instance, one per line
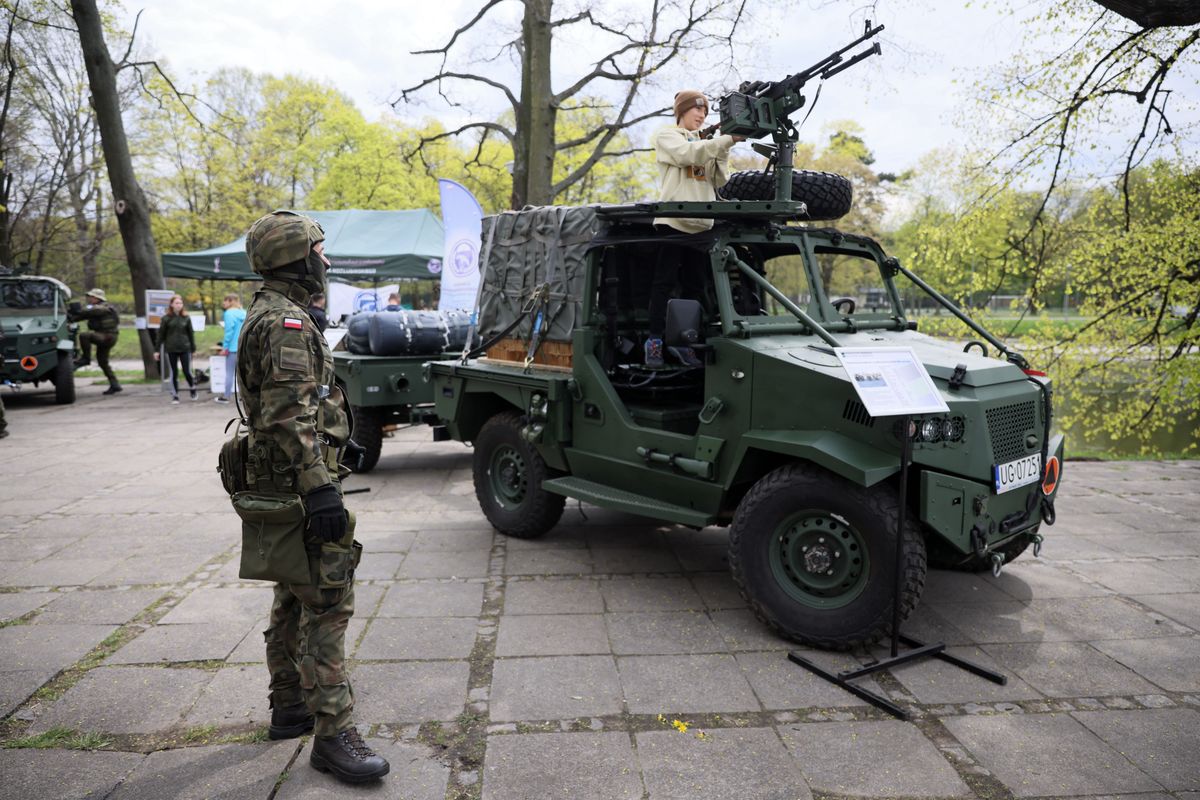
(112, 389)
(288, 722)
(82, 362)
(347, 757)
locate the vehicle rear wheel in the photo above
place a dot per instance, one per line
(827, 195)
(508, 480)
(368, 433)
(64, 379)
(814, 556)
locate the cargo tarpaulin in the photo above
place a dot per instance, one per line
(362, 245)
(525, 250)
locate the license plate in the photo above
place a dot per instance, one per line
(1016, 474)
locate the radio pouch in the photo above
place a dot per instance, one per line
(272, 538)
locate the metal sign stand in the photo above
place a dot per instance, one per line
(918, 649)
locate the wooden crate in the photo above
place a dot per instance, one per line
(550, 354)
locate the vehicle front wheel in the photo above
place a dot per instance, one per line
(64, 379)
(368, 433)
(508, 480)
(814, 556)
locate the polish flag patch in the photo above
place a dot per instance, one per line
(292, 322)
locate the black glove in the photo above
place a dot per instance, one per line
(326, 515)
(354, 455)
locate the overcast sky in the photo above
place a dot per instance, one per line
(908, 101)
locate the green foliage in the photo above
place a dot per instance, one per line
(59, 738)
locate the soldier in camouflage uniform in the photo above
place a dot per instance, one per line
(103, 321)
(298, 421)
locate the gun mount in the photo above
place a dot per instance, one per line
(763, 108)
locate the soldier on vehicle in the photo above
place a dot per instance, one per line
(298, 423)
(690, 169)
(103, 328)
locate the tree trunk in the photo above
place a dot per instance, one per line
(533, 151)
(133, 213)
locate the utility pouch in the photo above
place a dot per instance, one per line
(231, 462)
(272, 538)
(334, 564)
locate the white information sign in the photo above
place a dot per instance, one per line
(157, 301)
(890, 381)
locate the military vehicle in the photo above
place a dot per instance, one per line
(35, 337)
(767, 435)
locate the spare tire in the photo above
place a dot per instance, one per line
(827, 195)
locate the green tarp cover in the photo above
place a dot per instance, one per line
(361, 246)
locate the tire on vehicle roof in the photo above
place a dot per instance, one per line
(827, 194)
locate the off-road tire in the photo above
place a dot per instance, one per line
(942, 557)
(64, 379)
(528, 510)
(869, 514)
(827, 195)
(368, 434)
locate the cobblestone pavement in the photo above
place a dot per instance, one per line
(611, 659)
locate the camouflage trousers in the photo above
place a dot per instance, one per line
(104, 344)
(306, 653)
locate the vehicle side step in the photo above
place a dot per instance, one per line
(608, 497)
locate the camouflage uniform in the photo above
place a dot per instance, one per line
(103, 322)
(297, 415)
(3, 423)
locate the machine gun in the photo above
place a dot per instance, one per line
(763, 108)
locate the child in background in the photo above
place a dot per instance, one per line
(234, 317)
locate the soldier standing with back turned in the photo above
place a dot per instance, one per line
(297, 417)
(103, 328)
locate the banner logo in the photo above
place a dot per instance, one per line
(434, 266)
(366, 301)
(464, 257)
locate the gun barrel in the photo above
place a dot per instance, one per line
(835, 58)
(873, 50)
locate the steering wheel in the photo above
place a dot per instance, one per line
(844, 301)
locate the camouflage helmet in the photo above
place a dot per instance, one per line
(98, 294)
(281, 238)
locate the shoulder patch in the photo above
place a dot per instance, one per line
(292, 322)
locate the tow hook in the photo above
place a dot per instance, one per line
(1037, 544)
(997, 564)
(1048, 514)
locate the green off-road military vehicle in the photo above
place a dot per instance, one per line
(768, 435)
(35, 337)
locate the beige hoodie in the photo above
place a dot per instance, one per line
(690, 169)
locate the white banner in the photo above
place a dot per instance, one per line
(342, 299)
(462, 220)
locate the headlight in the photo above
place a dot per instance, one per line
(931, 429)
(953, 429)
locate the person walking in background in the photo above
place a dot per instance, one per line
(176, 337)
(233, 318)
(393, 303)
(316, 309)
(103, 328)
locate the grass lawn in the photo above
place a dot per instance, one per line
(127, 343)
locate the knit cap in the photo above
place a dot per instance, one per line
(689, 98)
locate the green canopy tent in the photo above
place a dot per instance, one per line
(375, 246)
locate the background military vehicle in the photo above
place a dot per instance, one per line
(35, 337)
(768, 436)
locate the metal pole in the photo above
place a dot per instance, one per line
(905, 458)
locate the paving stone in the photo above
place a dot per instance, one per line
(649, 594)
(1028, 752)
(198, 773)
(434, 541)
(653, 633)
(1042, 581)
(871, 759)
(1059, 619)
(718, 590)
(16, 687)
(742, 630)
(564, 687)
(57, 571)
(418, 638)
(549, 562)
(101, 701)
(409, 692)
(581, 766)
(235, 696)
(115, 606)
(932, 680)
(647, 536)
(416, 774)
(367, 597)
(1163, 743)
(166, 644)
(456, 564)
(430, 599)
(552, 635)
(1181, 543)
(685, 684)
(1135, 577)
(781, 684)
(705, 558)
(47, 647)
(62, 774)
(1183, 608)
(18, 604)
(237, 605)
(746, 763)
(382, 541)
(1169, 662)
(378, 566)
(557, 596)
(629, 560)
(1063, 547)
(1069, 669)
(157, 568)
(252, 648)
(944, 586)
